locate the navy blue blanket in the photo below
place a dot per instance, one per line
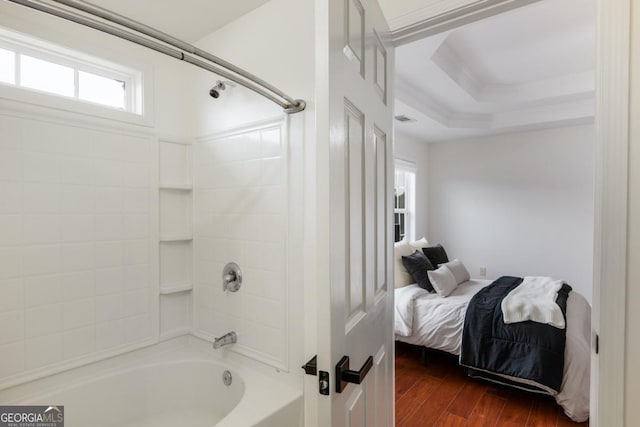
(527, 350)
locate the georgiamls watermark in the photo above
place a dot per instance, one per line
(32, 416)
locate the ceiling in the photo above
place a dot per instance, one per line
(528, 68)
(188, 20)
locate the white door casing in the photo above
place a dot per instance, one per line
(354, 181)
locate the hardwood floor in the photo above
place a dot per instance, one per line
(441, 394)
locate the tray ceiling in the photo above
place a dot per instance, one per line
(529, 68)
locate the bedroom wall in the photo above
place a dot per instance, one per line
(413, 150)
(516, 204)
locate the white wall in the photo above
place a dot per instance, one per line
(78, 213)
(415, 151)
(248, 200)
(517, 204)
(241, 216)
(274, 42)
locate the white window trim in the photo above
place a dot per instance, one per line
(138, 102)
(410, 198)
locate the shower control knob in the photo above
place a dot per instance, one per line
(231, 277)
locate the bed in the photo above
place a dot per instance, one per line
(429, 320)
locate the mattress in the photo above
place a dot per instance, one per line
(429, 320)
(438, 321)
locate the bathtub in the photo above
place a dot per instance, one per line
(176, 383)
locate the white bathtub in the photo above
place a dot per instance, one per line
(179, 383)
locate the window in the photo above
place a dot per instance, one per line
(39, 66)
(405, 201)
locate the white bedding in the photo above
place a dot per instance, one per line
(437, 322)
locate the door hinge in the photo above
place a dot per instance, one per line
(597, 344)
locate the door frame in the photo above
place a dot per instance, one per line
(611, 199)
(611, 183)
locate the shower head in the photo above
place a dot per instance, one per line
(214, 92)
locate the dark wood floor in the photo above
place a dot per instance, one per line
(440, 394)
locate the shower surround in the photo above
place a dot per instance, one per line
(241, 216)
(77, 220)
(93, 271)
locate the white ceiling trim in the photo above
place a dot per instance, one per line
(425, 104)
(439, 16)
(424, 131)
(559, 114)
(563, 113)
(454, 66)
(548, 91)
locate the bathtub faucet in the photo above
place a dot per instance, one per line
(226, 339)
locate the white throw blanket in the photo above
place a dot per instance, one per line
(534, 299)
(405, 307)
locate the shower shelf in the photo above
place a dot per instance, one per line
(176, 238)
(174, 288)
(180, 187)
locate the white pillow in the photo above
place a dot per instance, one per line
(422, 243)
(403, 248)
(401, 275)
(442, 280)
(458, 270)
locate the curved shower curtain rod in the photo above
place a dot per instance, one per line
(183, 51)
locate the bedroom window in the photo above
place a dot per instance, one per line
(404, 201)
(37, 66)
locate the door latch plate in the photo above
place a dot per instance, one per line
(323, 383)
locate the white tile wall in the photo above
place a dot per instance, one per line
(240, 215)
(176, 262)
(175, 208)
(176, 313)
(78, 213)
(175, 164)
(176, 257)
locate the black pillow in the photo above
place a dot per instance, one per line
(417, 264)
(436, 255)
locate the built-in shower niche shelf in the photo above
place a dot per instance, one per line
(176, 238)
(176, 187)
(174, 288)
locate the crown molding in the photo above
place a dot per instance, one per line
(447, 59)
(557, 111)
(583, 109)
(417, 99)
(549, 91)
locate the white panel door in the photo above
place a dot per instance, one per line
(354, 120)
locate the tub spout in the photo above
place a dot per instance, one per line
(226, 339)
